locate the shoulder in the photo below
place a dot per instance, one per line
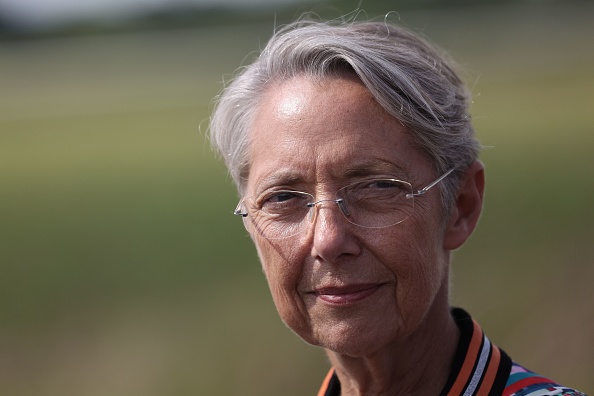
(523, 382)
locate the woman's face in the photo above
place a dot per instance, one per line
(350, 289)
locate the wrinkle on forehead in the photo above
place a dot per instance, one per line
(330, 132)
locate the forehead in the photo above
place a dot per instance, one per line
(312, 131)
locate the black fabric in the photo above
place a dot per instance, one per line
(502, 374)
(333, 386)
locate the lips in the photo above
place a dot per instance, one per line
(346, 295)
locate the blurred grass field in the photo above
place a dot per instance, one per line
(122, 271)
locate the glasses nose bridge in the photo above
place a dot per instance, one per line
(316, 204)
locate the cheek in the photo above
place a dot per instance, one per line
(278, 262)
(421, 282)
(419, 267)
(283, 268)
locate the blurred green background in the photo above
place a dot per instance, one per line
(123, 272)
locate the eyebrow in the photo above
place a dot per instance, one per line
(363, 169)
(282, 177)
(375, 167)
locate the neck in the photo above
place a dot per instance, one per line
(417, 365)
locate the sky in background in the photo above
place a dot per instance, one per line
(48, 12)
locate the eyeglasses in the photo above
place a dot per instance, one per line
(369, 203)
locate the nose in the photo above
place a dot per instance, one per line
(332, 233)
(339, 201)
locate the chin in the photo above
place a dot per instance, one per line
(356, 347)
(353, 341)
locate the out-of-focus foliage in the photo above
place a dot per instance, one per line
(178, 15)
(123, 272)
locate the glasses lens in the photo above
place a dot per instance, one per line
(374, 203)
(277, 215)
(377, 203)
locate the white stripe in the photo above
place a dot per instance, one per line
(480, 368)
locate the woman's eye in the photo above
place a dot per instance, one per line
(280, 197)
(373, 189)
(282, 202)
(381, 185)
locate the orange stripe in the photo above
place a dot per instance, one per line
(491, 372)
(471, 357)
(324, 387)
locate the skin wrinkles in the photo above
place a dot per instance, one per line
(377, 168)
(282, 178)
(338, 135)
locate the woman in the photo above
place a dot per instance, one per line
(356, 161)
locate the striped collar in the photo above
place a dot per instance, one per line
(479, 367)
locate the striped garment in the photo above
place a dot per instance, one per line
(480, 368)
(523, 382)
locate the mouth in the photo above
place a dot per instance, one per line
(346, 295)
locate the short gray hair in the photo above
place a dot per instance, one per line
(407, 76)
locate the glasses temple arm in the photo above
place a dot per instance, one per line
(238, 212)
(429, 186)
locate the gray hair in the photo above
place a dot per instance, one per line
(408, 77)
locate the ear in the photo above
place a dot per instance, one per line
(467, 209)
